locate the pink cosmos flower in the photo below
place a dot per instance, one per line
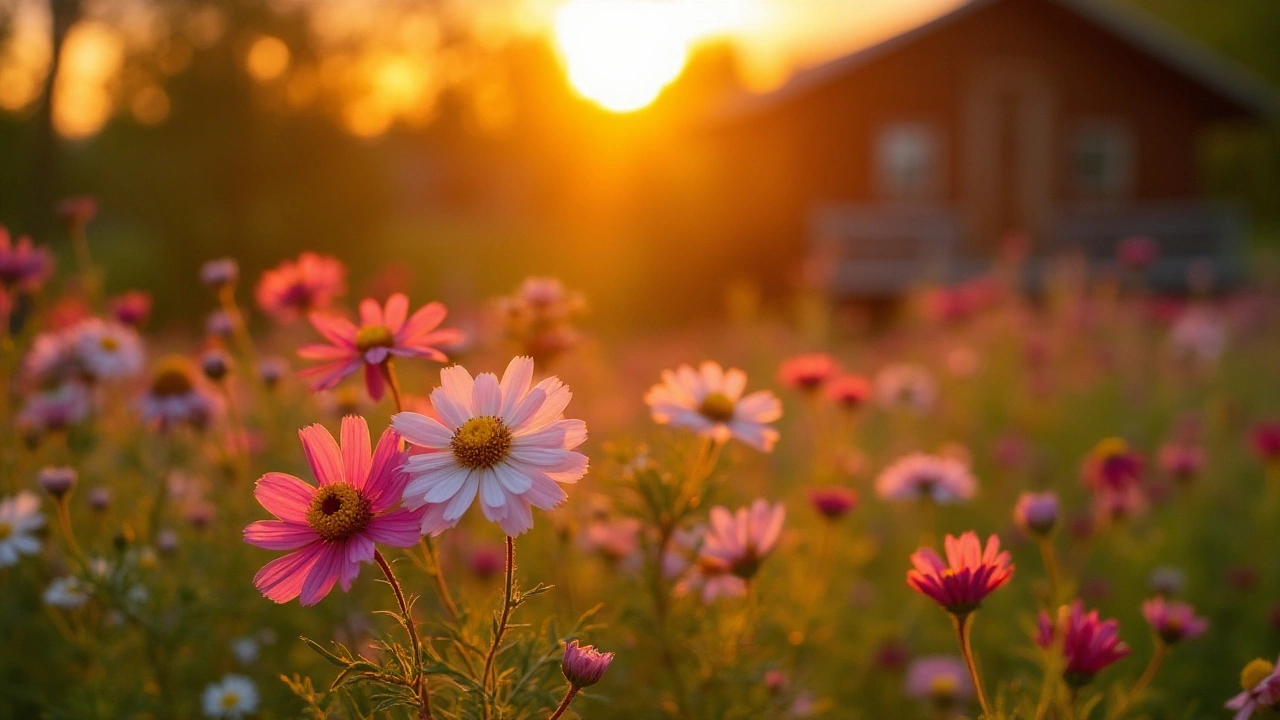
(807, 372)
(383, 333)
(709, 401)
(56, 409)
(617, 539)
(1265, 439)
(940, 679)
(969, 575)
(332, 528)
(1089, 645)
(849, 392)
(502, 440)
(177, 396)
(734, 546)
(107, 350)
(584, 666)
(918, 476)
(833, 502)
(1173, 621)
(906, 386)
(1114, 472)
(23, 266)
(1261, 683)
(1180, 461)
(132, 308)
(294, 289)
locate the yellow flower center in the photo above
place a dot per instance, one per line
(943, 687)
(1110, 447)
(230, 700)
(108, 343)
(372, 336)
(5, 530)
(172, 376)
(1254, 673)
(717, 407)
(337, 512)
(481, 442)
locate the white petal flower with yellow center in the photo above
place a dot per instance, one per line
(709, 401)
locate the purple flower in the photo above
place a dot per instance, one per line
(1173, 621)
(1036, 513)
(584, 666)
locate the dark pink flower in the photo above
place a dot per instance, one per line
(850, 392)
(969, 575)
(833, 502)
(1266, 441)
(23, 266)
(76, 212)
(294, 289)
(132, 308)
(1089, 645)
(1173, 621)
(584, 666)
(1180, 461)
(332, 528)
(382, 333)
(807, 372)
(1137, 252)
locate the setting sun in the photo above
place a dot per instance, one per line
(621, 53)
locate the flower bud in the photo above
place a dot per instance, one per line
(1036, 513)
(215, 364)
(57, 481)
(99, 498)
(217, 274)
(584, 666)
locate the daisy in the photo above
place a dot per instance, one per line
(176, 396)
(969, 575)
(1089, 645)
(332, 528)
(583, 666)
(68, 593)
(107, 351)
(918, 477)
(294, 289)
(22, 265)
(1173, 621)
(57, 409)
(382, 334)
(731, 550)
(232, 698)
(503, 441)
(19, 519)
(1261, 684)
(709, 401)
(939, 679)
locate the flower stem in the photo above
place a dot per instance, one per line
(442, 586)
(68, 533)
(388, 370)
(1050, 558)
(564, 704)
(227, 299)
(963, 625)
(1144, 681)
(417, 680)
(508, 598)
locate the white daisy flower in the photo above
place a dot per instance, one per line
(19, 518)
(501, 440)
(709, 401)
(245, 650)
(919, 476)
(108, 350)
(67, 593)
(233, 697)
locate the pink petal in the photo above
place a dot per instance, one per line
(322, 453)
(515, 383)
(426, 319)
(335, 328)
(370, 312)
(281, 579)
(422, 430)
(284, 496)
(277, 535)
(355, 450)
(394, 314)
(373, 381)
(385, 478)
(324, 573)
(486, 396)
(398, 528)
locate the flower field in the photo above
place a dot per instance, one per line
(307, 503)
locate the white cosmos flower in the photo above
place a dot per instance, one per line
(709, 401)
(919, 476)
(108, 350)
(67, 593)
(19, 518)
(234, 697)
(501, 440)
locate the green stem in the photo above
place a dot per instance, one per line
(68, 533)
(1050, 558)
(227, 299)
(1140, 687)
(564, 704)
(417, 680)
(963, 625)
(388, 370)
(442, 586)
(507, 605)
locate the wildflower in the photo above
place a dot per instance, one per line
(906, 386)
(1200, 335)
(76, 212)
(1138, 252)
(234, 697)
(833, 502)
(215, 364)
(132, 308)
(271, 370)
(919, 476)
(107, 351)
(709, 401)
(167, 541)
(219, 324)
(539, 316)
(1036, 513)
(295, 289)
(1089, 645)
(220, 273)
(57, 481)
(57, 409)
(1114, 473)
(382, 334)
(68, 593)
(487, 561)
(332, 528)
(19, 519)
(1261, 684)
(1265, 439)
(849, 392)
(99, 498)
(584, 666)
(741, 540)
(1181, 462)
(941, 680)
(1173, 621)
(504, 441)
(807, 372)
(175, 396)
(23, 267)
(970, 573)
(616, 539)
(245, 650)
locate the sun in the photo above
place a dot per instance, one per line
(621, 53)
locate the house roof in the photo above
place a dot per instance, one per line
(1191, 59)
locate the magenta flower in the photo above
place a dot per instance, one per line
(382, 334)
(1036, 513)
(295, 289)
(969, 575)
(1261, 683)
(332, 528)
(584, 666)
(1173, 621)
(177, 396)
(23, 266)
(132, 308)
(1180, 461)
(1114, 473)
(849, 392)
(807, 372)
(833, 502)
(1266, 441)
(741, 540)
(1137, 252)
(1089, 645)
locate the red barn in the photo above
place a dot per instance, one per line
(1073, 122)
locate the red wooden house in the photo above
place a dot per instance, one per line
(1075, 122)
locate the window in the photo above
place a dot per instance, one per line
(908, 161)
(1101, 160)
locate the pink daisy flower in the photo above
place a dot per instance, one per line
(176, 396)
(709, 401)
(294, 289)
(55, 409)
(969, 575)
(1036, 514)
(918, 476)
(23, 266)
(1261, 683)
(382, 334)
(1173, 621)
(502, 440)
(332, 528)
(584, 666)
(1089, 645)
(733, 548)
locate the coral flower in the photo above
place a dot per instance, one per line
(1173, 621)
(833, 502)
(382, 334)
(966, 578)
(1114, 472)
(1089, 645)
(807, 372)
(294, 289)
(918, 477)
(849, 392)
(132, 308)
(502, 440)
(1181, 462)
(709, 401)
(332, 528)
(23, 266)
(1261, 683)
